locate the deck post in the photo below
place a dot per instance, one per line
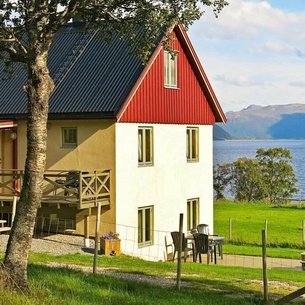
(97, 236)
(86, 231)
(14, 209)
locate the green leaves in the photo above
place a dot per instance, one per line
(269, 176)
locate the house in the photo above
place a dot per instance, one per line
(137, 138)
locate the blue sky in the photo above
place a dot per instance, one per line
(254, 52)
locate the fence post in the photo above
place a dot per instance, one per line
(303, 231)
(265, 276)
(230, 229)
(266, 229)
(179, 252)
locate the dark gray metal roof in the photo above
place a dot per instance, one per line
(93, 78)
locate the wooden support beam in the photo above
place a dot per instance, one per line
(290, 296)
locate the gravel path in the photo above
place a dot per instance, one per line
(55, 244)
(69, 244)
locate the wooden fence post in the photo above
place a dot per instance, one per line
(179, 252)
(265, 276)
(266, 229)
(303, 232)
(230, 229)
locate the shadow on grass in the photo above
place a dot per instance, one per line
(66, 286)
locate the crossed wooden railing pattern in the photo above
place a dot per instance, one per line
(85, 188)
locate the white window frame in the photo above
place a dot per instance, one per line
(68, 140)
(193, 207)
(170, 70)
(145, 146)
(145, 226)
(192, 144)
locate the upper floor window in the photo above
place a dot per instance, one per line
(192, 213)
(69, 136)
(192, 144)
(145, 145)
(170, 70)
(145, 226)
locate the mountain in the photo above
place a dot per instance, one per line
(220, 134)
(269, 122)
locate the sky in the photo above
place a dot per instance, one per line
(254, 52)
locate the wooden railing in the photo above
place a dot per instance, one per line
(84, 188)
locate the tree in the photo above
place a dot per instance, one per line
(221, 179)
(27, 30)
(246, 181)
(277, 173)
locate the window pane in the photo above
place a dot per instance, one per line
(147, 224)
(194, 143)
(140, 226)
(173, 71)
(188, 213)
(166, 68)
(140, 145)
(188, 153)
(148, 145)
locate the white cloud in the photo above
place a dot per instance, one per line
(253, 53)
(274, 46)
(244, 18)
(240, 81)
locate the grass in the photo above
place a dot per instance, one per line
(203, 284)
(284, 224)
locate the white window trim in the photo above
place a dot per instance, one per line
(192, 220)
(142, 144)
(170, 70)
(189, 144)
(150, 241)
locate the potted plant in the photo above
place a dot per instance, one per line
(110, 244)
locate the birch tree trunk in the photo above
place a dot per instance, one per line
(39, 88)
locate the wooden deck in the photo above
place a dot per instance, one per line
(82, 188)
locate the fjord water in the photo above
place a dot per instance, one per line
(230, 150)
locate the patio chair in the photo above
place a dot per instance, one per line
(203, 228)
(185, 248)
(203, 246)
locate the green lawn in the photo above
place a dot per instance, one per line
(284, 224)
(202, 284)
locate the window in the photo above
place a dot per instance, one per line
(69, 136)
(145, 145)
(145, 226)
(192, 213)
(170, 70)
(192, 146)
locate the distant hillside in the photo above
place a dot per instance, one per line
(220, 134)
(269, 122)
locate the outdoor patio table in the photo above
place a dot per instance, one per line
(215, 240)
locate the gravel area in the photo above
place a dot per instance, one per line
(69, 244)
(55, 244)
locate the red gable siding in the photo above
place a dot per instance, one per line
(153, 103)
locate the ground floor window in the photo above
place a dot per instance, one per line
(69, 137)
(145, 226)
(192, 213)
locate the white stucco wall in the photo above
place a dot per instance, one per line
(167, 185)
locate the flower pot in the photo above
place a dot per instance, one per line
(111, 247)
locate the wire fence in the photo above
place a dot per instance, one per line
(161, 249)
